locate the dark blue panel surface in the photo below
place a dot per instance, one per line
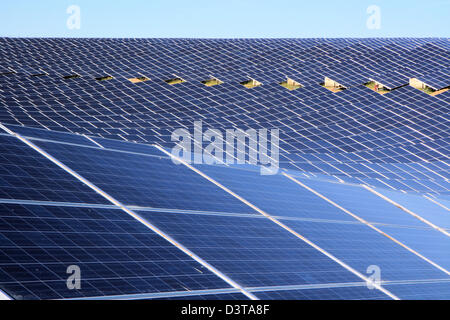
(26, 175)
(116, 255)
(274, 194)
(128, 146)
(350, 241)
(397, 223)
(367, 251)
(145, 180)
(397, 140)
(251, 251)
(363, 203)
(342, 293)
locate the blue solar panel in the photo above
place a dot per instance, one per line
(35, 133)
(422, 206)
(436, 80)
(253, 251)
(344, 293)
(116, 254)
(352, 196)
(331, 228)
(142, 180)
(274, 194)
(394, 221)
(130, 147)
(391, 80)
(27, 175)
(423, 291)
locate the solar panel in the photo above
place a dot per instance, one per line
(417, 235)
(115, 254)
(253, 251)
(345, 293)
(331, 227)
(436, 80)
(26, 175)
(433, 212)
(424, 291)
(142, 180)
(391, 80)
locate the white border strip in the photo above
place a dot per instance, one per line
(366, 223)
(93, 141)
(343, 264)
(4, 296)
(438, 203)
(156, 295)
(415, 215)
(133, 214)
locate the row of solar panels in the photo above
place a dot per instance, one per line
(349, 70)
(406, 127)
(293, 237)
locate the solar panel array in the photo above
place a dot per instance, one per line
(86, 181)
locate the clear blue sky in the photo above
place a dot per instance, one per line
(224, 19)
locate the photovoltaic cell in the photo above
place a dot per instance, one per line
(436, 80)
(352, 198)
(363, 249)
(352, 242)
(423, 291)
(128, 146)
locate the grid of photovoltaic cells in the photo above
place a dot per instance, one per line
(434, 212)
(391, 80)
(415, 234)
(325, 224)
(423, 291)
(141, 180)
(245, 246)
(437, 80)
(344, 293)
(253, 251)
(115, 253)
(27, 175)
(367, 172)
